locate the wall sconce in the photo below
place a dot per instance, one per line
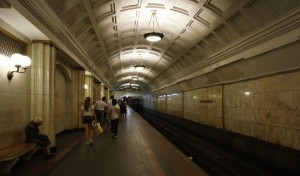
(153, 36)
(247, 93)
(86, 86)
(19, 61)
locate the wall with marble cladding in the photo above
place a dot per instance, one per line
(267, 108)
(75, 95)
(161, 103)
(204, 106)
(14, 106)
(60, 102)
(174, 104)
(149, 101)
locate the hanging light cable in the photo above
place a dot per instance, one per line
(134, 75)
(140, 64)
(153, 36)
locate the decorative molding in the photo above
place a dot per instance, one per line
(43, 15)
(9, 46)
(285, 25)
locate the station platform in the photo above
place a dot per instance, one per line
(139, 150)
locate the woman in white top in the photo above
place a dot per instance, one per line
(88, 115)
(114, 116)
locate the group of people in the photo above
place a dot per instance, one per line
(102, 111)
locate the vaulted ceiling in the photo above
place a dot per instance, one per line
(106, 36)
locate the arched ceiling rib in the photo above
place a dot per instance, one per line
(111, 33)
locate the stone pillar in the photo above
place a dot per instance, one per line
(110, 93)
(42, 86)
(75, 97)
(107, 93)
(103, 91)
(89, 81)
(97, 93)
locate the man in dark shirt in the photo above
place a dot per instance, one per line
(33, 135)
(123, 110)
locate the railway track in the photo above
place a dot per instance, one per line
(215, 160)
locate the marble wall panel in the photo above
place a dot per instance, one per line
(89, 92)
(75, 95)
(161, 103)
(174, 104)
(60, 102)
(266, 108)
(97, 91)
(14, 108)
(30, 94)
(296, 141)
(270, 103)
(149, 101)
(204, 106)
(285, 136)
(296, 101)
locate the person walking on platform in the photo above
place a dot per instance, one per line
(88, 115)
(109, 104)
(114, 116)
(100, 106)
(33, 135)
(123, 109)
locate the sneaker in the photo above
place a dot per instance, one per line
(91, 142)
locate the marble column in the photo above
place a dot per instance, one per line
(75, 97)
(108, 93)
(103, 91)
(42, 86)
(89, 81)
(97, 93)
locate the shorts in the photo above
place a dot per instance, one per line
(87, 119)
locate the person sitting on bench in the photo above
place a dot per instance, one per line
(33, 135)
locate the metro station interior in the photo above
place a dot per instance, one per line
(225, 70)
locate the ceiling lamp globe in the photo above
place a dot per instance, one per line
(153, 36)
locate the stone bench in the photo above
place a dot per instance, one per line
(9, 156)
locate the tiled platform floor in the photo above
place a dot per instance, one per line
(139, 150)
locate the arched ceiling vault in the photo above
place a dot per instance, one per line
(107, 35)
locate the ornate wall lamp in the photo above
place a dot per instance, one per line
(19, 61)
(85, 86)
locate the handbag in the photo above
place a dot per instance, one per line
(97, 128)
(118, 112)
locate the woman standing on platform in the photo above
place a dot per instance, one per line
(88, 115)
(114, 116)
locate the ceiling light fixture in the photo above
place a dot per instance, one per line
(153, 36)
(135, 78)
(140, 65)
